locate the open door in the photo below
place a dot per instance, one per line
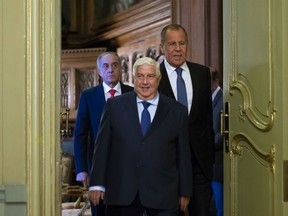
(255, 115)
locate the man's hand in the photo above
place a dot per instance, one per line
(95, 196)
(183, 202)
(84, 178)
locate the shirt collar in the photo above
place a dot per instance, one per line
(171, 69)
(154, 101)
(107, 88)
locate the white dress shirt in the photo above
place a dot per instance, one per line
(151, 109)
(107, 88)
(172, 75)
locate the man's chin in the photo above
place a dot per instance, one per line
(145, 95)
(178, 60)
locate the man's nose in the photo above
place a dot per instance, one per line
(177, 46)
(145, 79)
(110, 68)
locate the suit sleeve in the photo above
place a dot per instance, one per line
(101, 149)
(184, 157)
(209, 136)
(81, 133)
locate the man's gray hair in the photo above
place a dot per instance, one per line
(104, 54)
(146, 61)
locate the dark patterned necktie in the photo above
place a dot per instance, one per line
(181, 89)
(145, 117)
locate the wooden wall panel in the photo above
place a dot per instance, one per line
(78, 72)
(139, 26)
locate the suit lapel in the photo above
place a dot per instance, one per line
(132, 110)
(217, 97)
(98, 101)
(165, 86)
(195, 86)
(160, 115)
(214, 102)
(125, 88)
(101, 94)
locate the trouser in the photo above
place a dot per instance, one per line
(99, 210)
(137, 209)
(218, 196)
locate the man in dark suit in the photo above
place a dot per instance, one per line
(217, 103)
(89, 113)
(142, 172)
(197, 98)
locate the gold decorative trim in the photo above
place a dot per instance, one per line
(242, 146)
(237, 149)
(266, 159)
(42, 58)
(263, 122)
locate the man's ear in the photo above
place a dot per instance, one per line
(161, 47)
(99, 73)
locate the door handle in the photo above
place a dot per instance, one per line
(225, 126)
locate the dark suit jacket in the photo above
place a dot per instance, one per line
(200, 117)
(157, 166)
(218, 165)
(89, 113)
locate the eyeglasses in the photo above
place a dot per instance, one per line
(174, 44)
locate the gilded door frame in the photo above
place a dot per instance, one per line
(245, 114)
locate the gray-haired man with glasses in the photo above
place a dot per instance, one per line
(189, 83)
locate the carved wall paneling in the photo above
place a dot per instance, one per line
(203, 22)
(136, 33)
(139, 21)
(131, 52)
(78, 72)
(143, 21)
(90, 30)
